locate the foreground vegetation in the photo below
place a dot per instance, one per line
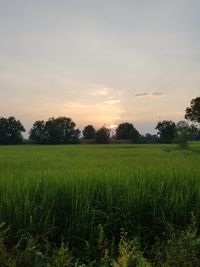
(116, 205)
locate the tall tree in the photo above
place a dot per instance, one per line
(123, 130)
(89, 132)
(102, 136)
(11, 131)
(166, 131)
(193, 112)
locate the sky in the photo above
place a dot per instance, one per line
(100, 62)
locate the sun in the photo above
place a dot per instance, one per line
(113, 126)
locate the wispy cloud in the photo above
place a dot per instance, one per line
(157, 94)
(101, 92)
(149, 94)
(142, 94)
(110, 102)
(74, 104)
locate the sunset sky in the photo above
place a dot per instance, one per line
(99, 61)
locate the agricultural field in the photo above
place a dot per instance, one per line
(87, 195)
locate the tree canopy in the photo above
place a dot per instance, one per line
(166, 131)
(38, 133)
(11, 131)
(89, 132)
(102, 136)
(59, 130)
(182, 134)
(123, 130)
(149, 139)
(134, 135)
(193, 112)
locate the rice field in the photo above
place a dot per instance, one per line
(68, 192)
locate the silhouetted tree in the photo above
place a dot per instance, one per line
(195, 133)
(193, 112)
(89, 132)
(11, 131)
(102, 136)
(55, 131)
(166, 131)
(182, 134)
(149, 139)
(134, 135)
(38, 133)
(123, 130)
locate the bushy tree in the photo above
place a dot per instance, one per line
(193, 112)
(11, 131)
(59, 130)
(38, 132)
(89, 132)
(102, 136)
(149, 139)
(195, 133)
(123, 130)
(182, 134)
(134, 135)
(166, 131)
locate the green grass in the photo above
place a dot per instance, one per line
(68, 192)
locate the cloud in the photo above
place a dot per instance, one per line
(101, 92)
(110, 102)
(149, 94)
(142, 94)
(74, 104)
(157, 94)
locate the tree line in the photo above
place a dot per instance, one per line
(62, 130)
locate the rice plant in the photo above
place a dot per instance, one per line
(64, 193)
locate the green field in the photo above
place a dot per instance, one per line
(70, 192)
